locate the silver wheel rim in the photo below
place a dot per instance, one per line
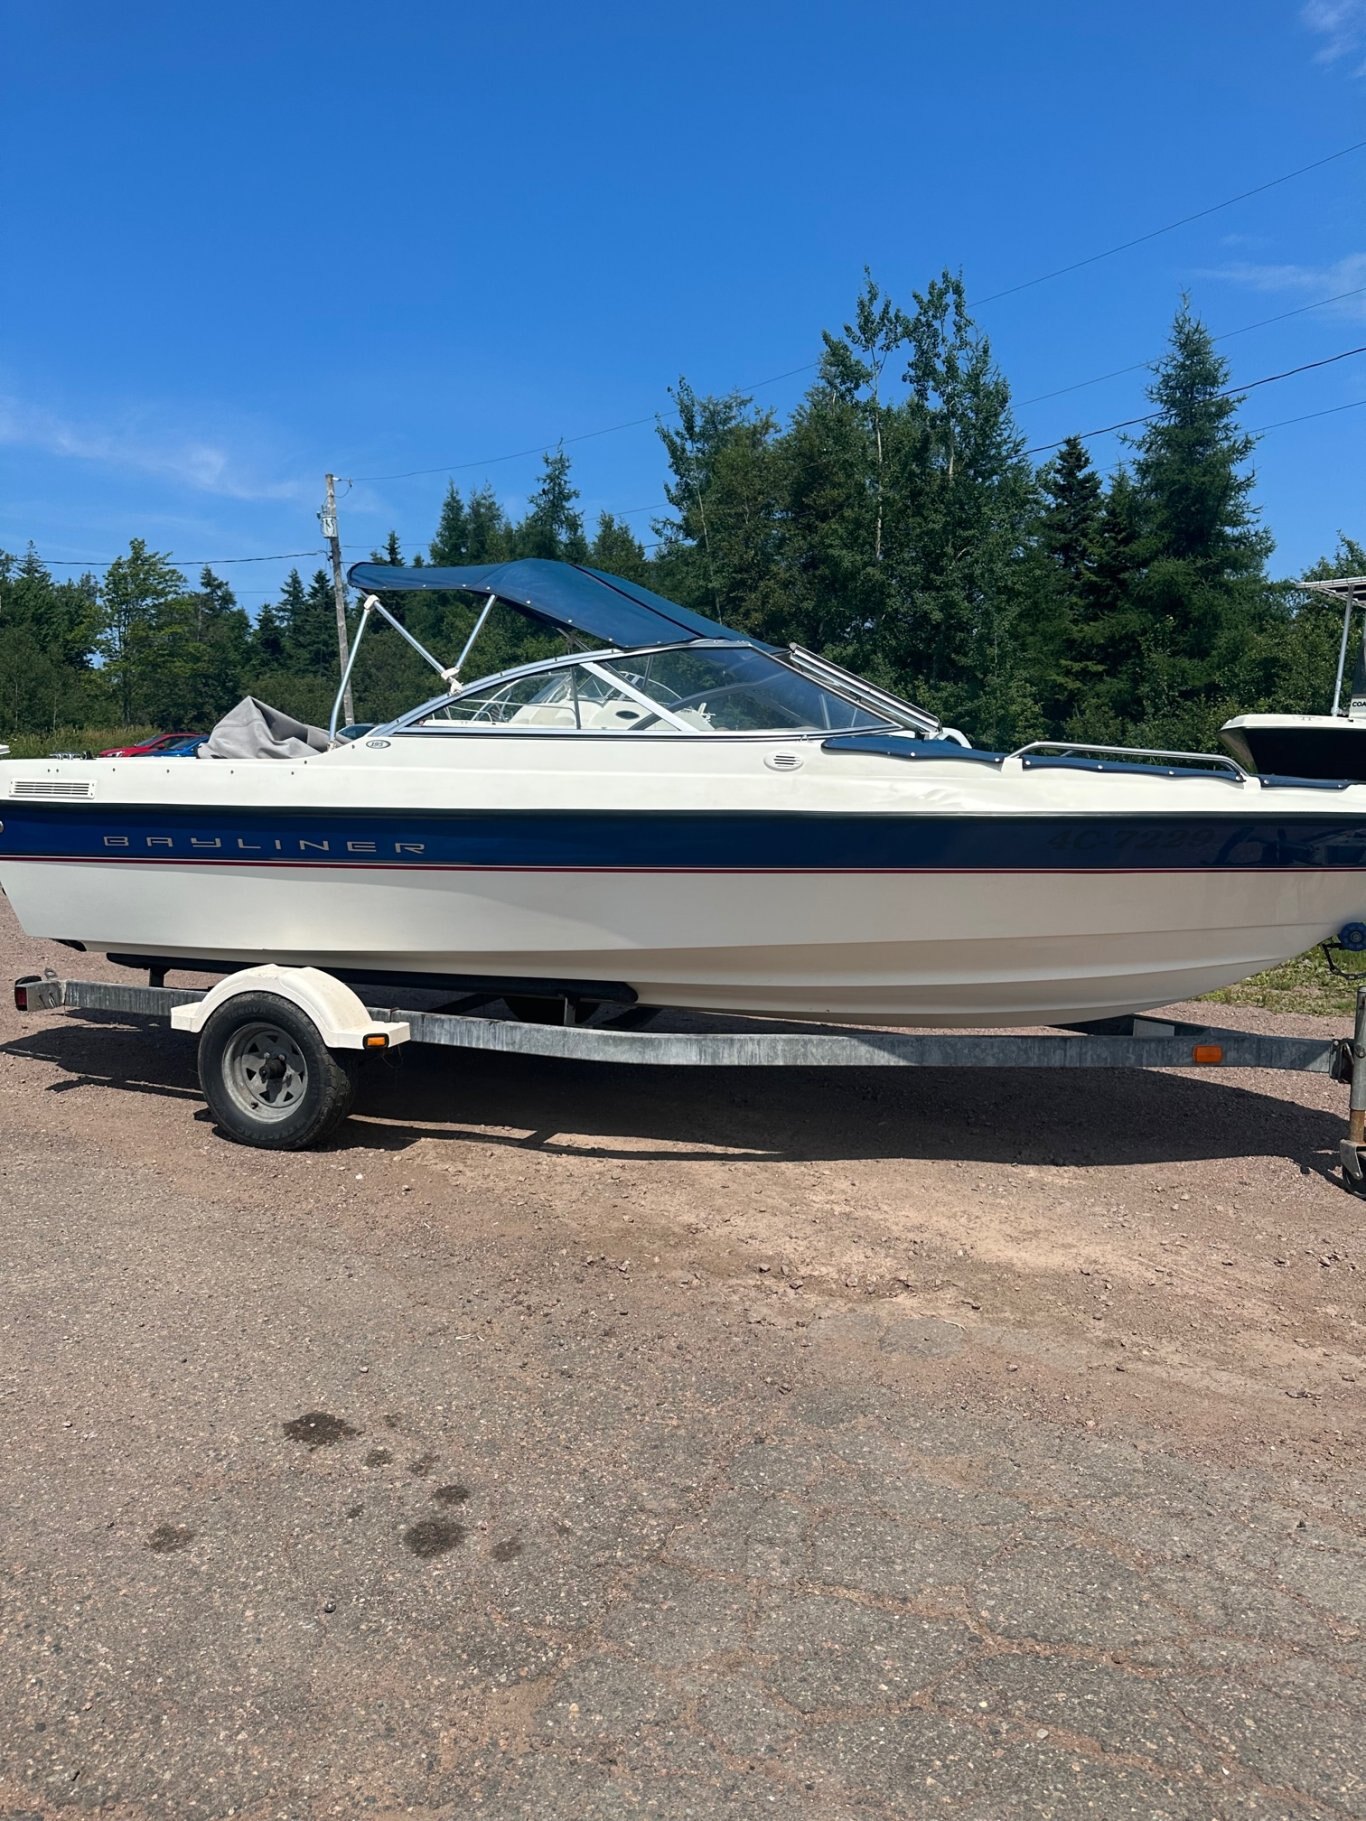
(264, 1071)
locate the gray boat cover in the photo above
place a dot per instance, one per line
(255, 730)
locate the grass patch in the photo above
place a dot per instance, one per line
(73, 739)
(1301, 985)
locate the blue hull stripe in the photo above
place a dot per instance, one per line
(685, 841)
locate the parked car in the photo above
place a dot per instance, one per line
(183, 749)
(156, 746)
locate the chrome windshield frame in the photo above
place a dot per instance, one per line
(860, 691)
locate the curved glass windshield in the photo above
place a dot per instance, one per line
(683, 689)
(739, 690)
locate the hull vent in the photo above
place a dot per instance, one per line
(52, 787)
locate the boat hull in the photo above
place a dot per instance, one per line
(861, 889)
(943, 948)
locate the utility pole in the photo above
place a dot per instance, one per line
(327, 518)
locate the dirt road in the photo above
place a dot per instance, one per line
(569, 1442)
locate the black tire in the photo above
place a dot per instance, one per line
(269, 1078)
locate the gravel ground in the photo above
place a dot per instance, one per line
(568, 1442)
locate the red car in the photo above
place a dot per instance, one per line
(148, 748)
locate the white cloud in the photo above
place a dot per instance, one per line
(1341, 27)
(194, 462)
(1251, 243)
(1307, 282)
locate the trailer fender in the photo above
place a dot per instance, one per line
(342, 1020)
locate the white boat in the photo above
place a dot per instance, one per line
(1329, 745)
(690, 818)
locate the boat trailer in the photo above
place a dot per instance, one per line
(280, 1048)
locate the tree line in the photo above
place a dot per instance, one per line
(895, 521)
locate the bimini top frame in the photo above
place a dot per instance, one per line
(449, 673)
(581, 602)
(1351, 591)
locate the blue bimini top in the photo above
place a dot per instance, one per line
(569, 596)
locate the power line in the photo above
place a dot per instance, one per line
(1144, 366)
(184, 562)
(1169, 227)
(1249, 385)
(1332, 411)
(1281, 423)
(1026, 284)
(1127, 423)
(518, 455)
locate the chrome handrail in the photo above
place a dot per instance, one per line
(1066, 747)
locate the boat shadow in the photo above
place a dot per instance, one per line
(1081, 1118)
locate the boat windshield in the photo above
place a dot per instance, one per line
(692, 688)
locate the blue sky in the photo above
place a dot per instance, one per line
(247, 244)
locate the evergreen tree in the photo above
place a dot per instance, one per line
(47, 632)
(968, 505)
(450, 546)
(834, 585)
(618, 550)
(1070, 525)
(893, 522)
(489, 534)
(313, 647)
(62, 616)
(268, 638)
(145, 632)
(1106, 640)
(1200, 595)
(553, 527)
(222, 651)
(720, 553)
(1068, 549)
(852, 369)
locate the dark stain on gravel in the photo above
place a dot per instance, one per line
(379, 1457)
(507, 1551)
(354, 1511)
(167, 1538)
(451, 1495)
(316, 1429)
(422, 1466)
(433, 1537)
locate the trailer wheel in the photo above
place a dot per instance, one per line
(269, 1078)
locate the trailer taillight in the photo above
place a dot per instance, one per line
(21, 995)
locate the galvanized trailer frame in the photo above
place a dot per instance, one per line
(612, 1035)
